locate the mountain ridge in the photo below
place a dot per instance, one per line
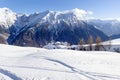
(46, 26)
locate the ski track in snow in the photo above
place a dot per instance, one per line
(9, 74)
(89, 75)
(37, 68)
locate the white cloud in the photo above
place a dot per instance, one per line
(80, 13)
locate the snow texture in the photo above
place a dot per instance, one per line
(27, 63)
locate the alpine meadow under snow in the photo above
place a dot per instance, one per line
(27, 63)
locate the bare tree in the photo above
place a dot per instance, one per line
(98, 40)
(3, 39)
(98, 43)
(81, 43)
(90, 42)
(109, 43)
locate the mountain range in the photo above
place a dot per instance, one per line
(41, 28)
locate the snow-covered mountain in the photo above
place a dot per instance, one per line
(110, 26)
(7, 17)
(45, 26)
(40, 28)
(71, 17)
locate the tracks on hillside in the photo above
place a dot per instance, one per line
(89, 75)
(9, 74)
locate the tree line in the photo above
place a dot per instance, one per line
(90, 46)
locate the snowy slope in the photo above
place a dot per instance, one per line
(25, 63)
(113, 45)
(115, 41)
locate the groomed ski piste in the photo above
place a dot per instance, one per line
(28, 63)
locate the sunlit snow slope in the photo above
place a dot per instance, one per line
(17, 63)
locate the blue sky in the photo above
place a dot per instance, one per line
(100, 8)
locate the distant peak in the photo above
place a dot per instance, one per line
(7, 17)
(48, 11)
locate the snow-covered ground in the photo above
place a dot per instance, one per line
(111, 45)
(21, 63)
